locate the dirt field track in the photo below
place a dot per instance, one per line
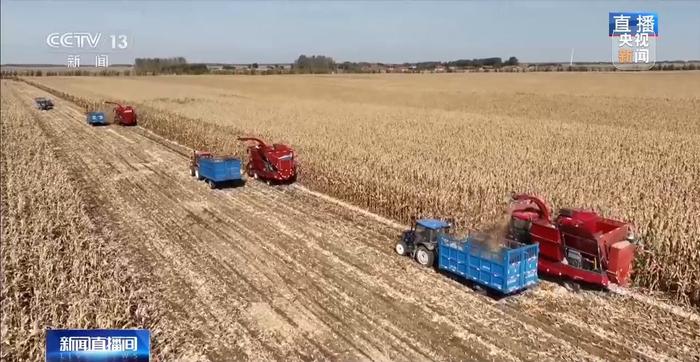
(266, 273)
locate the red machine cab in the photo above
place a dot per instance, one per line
(274, 162)
(124, 115)
(579, 245)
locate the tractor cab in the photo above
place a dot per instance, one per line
(420, 241)
(43, 104)
(196, 156)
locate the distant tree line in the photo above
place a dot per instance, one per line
(679, 65)
(365, 67)
(491, 62)
(607, 67)
(314, 64)
(174, 65)
(353, 67)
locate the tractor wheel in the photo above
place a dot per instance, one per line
(212, 184)
(425, 257)
(401, 248)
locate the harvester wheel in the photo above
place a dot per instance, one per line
(572, 286)
(249, 169)
(401, 248)
(424, 256)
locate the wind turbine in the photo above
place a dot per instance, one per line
(571, 60)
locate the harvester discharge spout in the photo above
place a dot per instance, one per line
(253, 139)
(114, 103)
(544, 210)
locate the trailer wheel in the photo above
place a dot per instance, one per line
(211, 183)
(401, 248)
(192, 173)
(196, 174)
(424, 256)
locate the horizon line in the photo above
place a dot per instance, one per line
(338, 62)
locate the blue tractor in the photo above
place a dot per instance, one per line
(43, 104)
(420, 242)
(96, 119)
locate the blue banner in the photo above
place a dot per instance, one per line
(632, 23)
(133, 345)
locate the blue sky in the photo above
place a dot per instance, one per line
(387, 31)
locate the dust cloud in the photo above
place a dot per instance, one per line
(493, 236)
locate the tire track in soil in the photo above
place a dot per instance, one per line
(317, 267)
(167, 253)
(78, 133)
(220, 231)
(77, 174)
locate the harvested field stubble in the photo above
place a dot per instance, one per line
(402, 146)
(59, 270)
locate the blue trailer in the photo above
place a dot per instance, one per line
(216, 170)
(96, 119)
(504, 266)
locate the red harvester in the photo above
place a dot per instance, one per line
(124, 115)
(274, 162)
(579, 245)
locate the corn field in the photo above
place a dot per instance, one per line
(59, 269)
(401, 148)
